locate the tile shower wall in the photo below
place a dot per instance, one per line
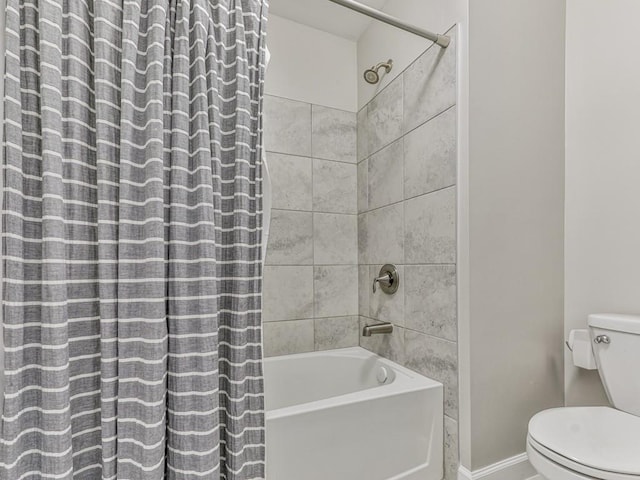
(407, 216)
(310, 295)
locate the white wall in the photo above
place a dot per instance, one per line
(512, 292)
(381, 42)
(310, 65)
(602, 245)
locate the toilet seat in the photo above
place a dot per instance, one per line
(596, 442)
(556, 467)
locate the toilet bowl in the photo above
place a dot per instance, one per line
(596, 443)
(585, 443)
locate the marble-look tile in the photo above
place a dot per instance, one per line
(380, 236)
(430, 85)
(335, 239)
(437, 359)
(363, 186)
(290, 238)
(389, 346)
(430, 300)
(385, 179)
(291, 186)
(364, 289)
(336, 291)
(363, 240)
(430, 155)
(287, 293)
(336, 332)
(362, 128)
(387, 307)
(381, 120)
(286, 338)
(333, 134)
(334, 187)
(430, 227)
(287, 126)
(451, 461)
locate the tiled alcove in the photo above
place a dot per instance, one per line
(341, 212)
(407, 156)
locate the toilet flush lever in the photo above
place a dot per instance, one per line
(602, 339)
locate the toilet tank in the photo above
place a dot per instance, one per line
(616, 346)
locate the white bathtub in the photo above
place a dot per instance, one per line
(332, 415)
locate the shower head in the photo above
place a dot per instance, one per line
(372, 76)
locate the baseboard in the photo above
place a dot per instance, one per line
(514, 468)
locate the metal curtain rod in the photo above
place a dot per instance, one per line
(441, 40)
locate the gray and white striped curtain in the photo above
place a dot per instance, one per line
(132, 230)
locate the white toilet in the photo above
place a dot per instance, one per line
(603, 443)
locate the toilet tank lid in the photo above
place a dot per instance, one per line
(615, 321)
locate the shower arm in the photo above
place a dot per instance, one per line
(441, 40)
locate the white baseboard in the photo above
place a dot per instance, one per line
(514, 468)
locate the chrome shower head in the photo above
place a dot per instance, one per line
(372, 76)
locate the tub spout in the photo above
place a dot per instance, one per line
(378, 329)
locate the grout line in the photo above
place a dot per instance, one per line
(308, 103)
(433, 117)
(342, 162)
(407, 199)
(287, 154)
(311, 265)
(311, 132)
(404, 223)
(311, 318)
(453, 342)
(313, 211)
(313, 240)
(358, 286)
(404, 199)
(411, 264)
(451, 418)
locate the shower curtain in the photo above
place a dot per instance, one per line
(132, 229)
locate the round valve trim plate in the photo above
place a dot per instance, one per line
(392, 285)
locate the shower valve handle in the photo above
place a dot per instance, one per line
(385, 279)
(388, 279)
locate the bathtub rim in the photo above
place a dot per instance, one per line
(406, 381)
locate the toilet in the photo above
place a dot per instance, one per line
(596, 443)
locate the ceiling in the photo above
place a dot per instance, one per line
(325, 15)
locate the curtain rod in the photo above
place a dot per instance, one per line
(441, 40)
